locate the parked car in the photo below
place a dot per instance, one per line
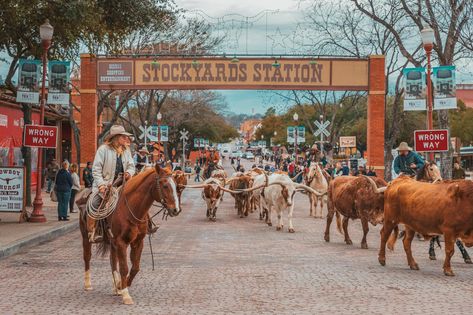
(249, 156)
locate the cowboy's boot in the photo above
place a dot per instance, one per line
(465, 255)
(91, 223)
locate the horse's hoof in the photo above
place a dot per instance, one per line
(348, 242)
(382, 261)
(432, 257)
(468, 261)
(270, 224)
(327, 238)
(278, 228)
(414, 267)
(364, 245)
(89, 288)
(291, 230)
(128, 301)
(448, 273)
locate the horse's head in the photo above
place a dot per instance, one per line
(430, 172)
(167, 191)
(315, 172)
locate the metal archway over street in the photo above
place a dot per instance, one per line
(219, 73)
(223, 73)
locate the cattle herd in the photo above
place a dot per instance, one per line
(426, 205)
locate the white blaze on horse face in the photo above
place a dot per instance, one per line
(174, 194)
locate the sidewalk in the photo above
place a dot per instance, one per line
(15, 236)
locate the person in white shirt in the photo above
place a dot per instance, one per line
(75, 187)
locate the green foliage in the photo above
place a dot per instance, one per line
(462, 124)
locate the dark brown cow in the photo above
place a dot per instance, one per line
(242, 200)
(355, 198)
(444, 208)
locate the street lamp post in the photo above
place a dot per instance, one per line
(46, 33)
(296, 118)
(159, 116)
(146, 140)
(427, 35)
(321, 135)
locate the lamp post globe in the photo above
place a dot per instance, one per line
(428, 36)
(295, 117)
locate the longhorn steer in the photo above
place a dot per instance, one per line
(213, 194)
(181, 181)
(278, 195)
(242, 200)
(316, 179)
(444, 208)
(355, 198)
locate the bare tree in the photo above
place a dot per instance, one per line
(451, 23)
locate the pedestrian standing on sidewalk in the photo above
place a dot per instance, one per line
(197, 173)
(75, 187)
(63, 186)
(52, 169)
(87, 176)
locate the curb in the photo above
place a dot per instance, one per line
(37, 238)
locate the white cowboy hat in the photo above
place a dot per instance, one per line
(403, 147)
(117, 130)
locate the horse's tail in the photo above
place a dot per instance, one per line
(103, 247)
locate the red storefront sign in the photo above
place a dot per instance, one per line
(40, 136)
(431, 140)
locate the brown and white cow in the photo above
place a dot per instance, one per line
(181, 182)
(444, 208)
(353, 197)
(316, 179)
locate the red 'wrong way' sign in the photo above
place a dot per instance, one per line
(431, 140)
(40, 136)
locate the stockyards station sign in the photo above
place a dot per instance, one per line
(224, 73)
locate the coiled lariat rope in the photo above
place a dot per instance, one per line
(107, 204)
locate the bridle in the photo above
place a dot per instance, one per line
(164, 207)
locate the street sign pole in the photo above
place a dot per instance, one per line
(146, 137)
(184, 137)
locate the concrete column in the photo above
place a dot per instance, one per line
(88, 105)
(376, 112)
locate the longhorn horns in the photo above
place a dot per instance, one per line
(375, 187)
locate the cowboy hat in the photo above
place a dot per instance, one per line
(117, 130)
(403, 147)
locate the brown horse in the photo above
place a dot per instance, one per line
(128, 224)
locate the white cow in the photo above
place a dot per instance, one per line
(278, 195)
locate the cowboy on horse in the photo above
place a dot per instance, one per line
(212, 160)
(113, 163)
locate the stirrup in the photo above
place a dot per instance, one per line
(153, 229)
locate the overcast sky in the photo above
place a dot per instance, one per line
(273, 28)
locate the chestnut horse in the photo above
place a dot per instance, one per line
(128, 225)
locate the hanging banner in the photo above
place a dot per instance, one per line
(291, 134)
(414, 89)
(58, 90)
(162, 136)
(445, 95)
(300, 134)
(28, 81)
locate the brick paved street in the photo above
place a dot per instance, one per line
(239, 266)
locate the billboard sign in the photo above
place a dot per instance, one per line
(39, 136)
(58, 90)
(12, 187)
(431, 140)
(414, 89)
(28, 81)
(445, 95)
(348, 142)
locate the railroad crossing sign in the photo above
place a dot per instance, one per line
(184, 134)
(322, 128)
